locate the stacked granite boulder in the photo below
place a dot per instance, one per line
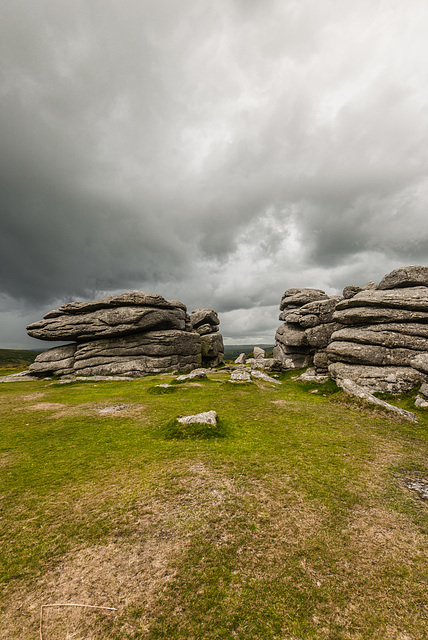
(308, 324)
(131, 334)
(383, 342)
(206, 323)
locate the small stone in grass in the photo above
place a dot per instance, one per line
(240, 375)
(208, 417)
(196, 373)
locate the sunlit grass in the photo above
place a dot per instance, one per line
(295, 524)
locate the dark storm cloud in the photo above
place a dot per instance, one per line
(217, 152)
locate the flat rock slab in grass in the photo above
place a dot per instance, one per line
(267, 364)
(208, 417)
(240, 375)
(311, 376)
(22, 376)
(113, 409)
(264, 376)
(96, 379)
(355, 390)
(395, 380)
(196, 373)
(420, 486)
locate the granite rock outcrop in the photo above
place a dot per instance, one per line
(206, 322)
(131, 334)
(303, 337)
(383, 342)
(376, 335)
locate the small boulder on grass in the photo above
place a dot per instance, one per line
(240, 375)
(208, 417)
(198, 426)
(196, 373)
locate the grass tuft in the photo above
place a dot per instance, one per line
(160, 391)
(175, 430)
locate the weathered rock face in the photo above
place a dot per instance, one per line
(206, 323)
(308, 325)
(405, 277)
(132, 334)
(106, 322)
(375, 335)
(383, 342)
(377, 379)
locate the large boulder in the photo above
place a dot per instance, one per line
(202, 317)
(384, 334)
(410, 298)
(138, 354)
(414, 275)
(378, 315)
(394, 380)
(108, 317)
(308, 324)
(56, 361)
(298, 297)
(212, 349)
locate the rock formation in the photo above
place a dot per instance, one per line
(308, 325)
(206, 323)
(375, 336)
(131, 334)
(383, 342)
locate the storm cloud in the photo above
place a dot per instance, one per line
(213, 152)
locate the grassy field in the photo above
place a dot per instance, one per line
(298, 523)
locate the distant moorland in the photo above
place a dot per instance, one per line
(12, 358)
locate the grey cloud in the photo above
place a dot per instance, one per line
(213, 152)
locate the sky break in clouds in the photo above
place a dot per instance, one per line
(216, 153)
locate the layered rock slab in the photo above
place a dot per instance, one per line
(132, 334)
(107, 322)
(308, 325)
(206, 323)
(384, 335)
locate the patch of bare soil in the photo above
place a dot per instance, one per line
(131, 571)
(65, 410)
(46, 406)
(117, 575)
(30, 397)
(7, 458)
(385, 543)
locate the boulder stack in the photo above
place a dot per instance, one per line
(131, 334)
(383, 342)
(308, 325)
(206, 323)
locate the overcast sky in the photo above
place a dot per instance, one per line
(216, 152)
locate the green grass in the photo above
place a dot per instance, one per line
(295, 524)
